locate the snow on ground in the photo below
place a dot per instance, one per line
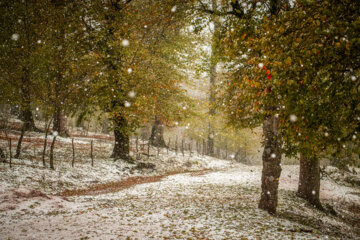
(29, 171)
(219, 203)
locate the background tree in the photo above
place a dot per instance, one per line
(22, 26)
(132, 78)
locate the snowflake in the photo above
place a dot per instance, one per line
(132, 94)
(15, 36)
(125, 43)
(127, 104)
(293, 118)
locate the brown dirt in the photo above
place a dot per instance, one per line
(31, 194)
(94, 136)
(116, 186)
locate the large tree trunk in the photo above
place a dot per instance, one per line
(157, 134)
(122, 140)
(25, 114)
(27, 117)
(2, 155)
(309, 180)
(271, 165)
(59, 124)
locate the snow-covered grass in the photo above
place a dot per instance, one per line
(219, 203)
(29, 171)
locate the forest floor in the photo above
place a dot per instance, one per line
(182, 197)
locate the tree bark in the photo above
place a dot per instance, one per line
(25, 114)
(47, 127)
(27, 117)
(52, 154)
(122, 140)
(271, 165)
(2, 155)
(18, 147)
(59, 124)
(213, 75)
(309, 180)
(157, 134)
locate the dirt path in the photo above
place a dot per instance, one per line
(116, 186)
(194, 205)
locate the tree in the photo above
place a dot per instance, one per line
(134, 49)
(300, 65)
(248, 17)
(22, 26)
(65, 54)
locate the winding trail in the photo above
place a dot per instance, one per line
(197, 205)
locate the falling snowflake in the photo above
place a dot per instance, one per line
(261, 65)
(273, 155)
(354, 137)
(353, 78)
(125, 43)
(127, 104)
(130, 70)
(293, 118)
(55, 133)
(173, 9)
(15, 37)
(39, 41)
(326, 134)
(132, 94)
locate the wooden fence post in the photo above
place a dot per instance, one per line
(10, 152)
(47, 127)
(197, 147)
(91, 154)
(204, 147)
(226, 151)
(73, 152)
(168, 146)
(190, 148)
(182, 147)
(137, 146)
(52, 154)
(176, 145)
